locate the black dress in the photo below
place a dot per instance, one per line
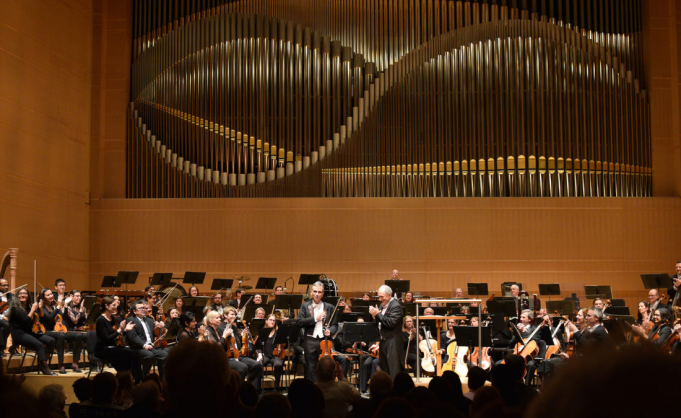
(76, 338)
(22, 333)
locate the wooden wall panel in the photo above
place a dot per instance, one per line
(45, 51)
(358, 242)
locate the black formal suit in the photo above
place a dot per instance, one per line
(591, 340)
(391, 348)
(311, 346)
(137, 339)
(672, 292)
(235, 303)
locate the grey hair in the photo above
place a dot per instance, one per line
(529, 313)
(597, 312)
(318, 284)
(386, 289)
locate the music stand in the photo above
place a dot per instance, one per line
(221, 284)
(505, 307)
(333, 300)
(125, 277)
(398, 286)
(478, 289)
(360, 332)
(108, 281)
(596, 292)
(564, 307)
(256, 327)
(361, 309)
(288, 332)
(287, 302)
(618, 310)
(454, 308)
(353, 317)
(367, 303)
(438, 310)
(656, 281)
(266, 283)
(194, 277)
(195, 305)
(409, 309)
(161, 279)
(551, 289)
(617, 326)
(468, 336)
(249, 312)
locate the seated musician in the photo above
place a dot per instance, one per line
(141, 338)
(60, 295)
(347, 309)
(151, 299)
(279, 290)
(428, 311)
(193, 292)
(593, 335)
(75, 317)
(340, 347)
(21, 318)
(107, 348)
(366, 296)
(369, 364)
(447, 337)
(172, 324)
(257, 299)
(259, 313)
(188, 328)
(5, 299)
(527, 332)
(217, 303)
(660, 331)
(266, 355)
(179, 305)
(50, 316)
(410, 343)
(643, 317)
(222, 333)
(237, 303)
(408, 297)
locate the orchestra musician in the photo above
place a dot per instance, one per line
(408, 297)
(410, 342)
(366, 296)
(259, 313)
(5, 299)
(61, 296)
(389, 321)
(141, 338)
(314, 318)
(108, 331)
(368, 361)
(447, 337)
(193, 291)
(21, 317)
(237, 303)
(217, 304)
(643, 317)
(49, 315)
(188, 328)
(257, 299)
(593, 335)
(220, 332)
(151, 303)
(458, 293)
(266, 355)
(279, 290)
(676, 285)
(660, 331)
(179, 304)
(515, 290)
(654, 300)
(75, 317)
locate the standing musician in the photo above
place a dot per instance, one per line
(266, 355)
(389, 321)
(5, 300)
(676, 285)
(188, 328)
(220, 332)
(21, 319)
(141, 338)
(108, 333)
(49, 317)
(313, 316)
(217, 304)
(661, 330)
(237, 302)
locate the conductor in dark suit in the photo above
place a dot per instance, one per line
(141, 338)
(388, 317)
(312, 317)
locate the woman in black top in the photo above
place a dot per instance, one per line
(188, 324)
(121, 358)
(266, 355)
(48, 318)
(21, 324)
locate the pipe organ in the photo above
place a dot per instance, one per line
(387, 98)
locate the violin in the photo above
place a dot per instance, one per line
(244, 341)
(232, 350)
(59, 325)
(280, 351)
(120, 340)
(38, 327)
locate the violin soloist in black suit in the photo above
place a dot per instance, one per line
(307, 323)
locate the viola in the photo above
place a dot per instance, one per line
(232, 350)
(120, 340)
(280, 351)
(160, 340)
(244, 342)
(485, 359)
(38, 327)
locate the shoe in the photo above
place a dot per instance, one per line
(45, 369)
(75, 367)
(62, 370)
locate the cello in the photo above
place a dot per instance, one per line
(428, 363)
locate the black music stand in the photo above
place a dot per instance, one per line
(361, 309)
(551, 289)
(618, 310)
(617, 326)
(409, 309)
(595, 292)
(564, 307)
(161, 279)
(398, 286)
(367, 303)
(478, 289)
(467, 336)
(360, 332)
(221, 284)
(353, 317)
(331, 299)
(656, 281)
(506, 307)
(194, 277)
(109, 281)
(255, 328)
(266, 283)
(288, 332)
(454, 308)
(126, 277)
(249, 312)
(287, 302)
(309, 279)
(437, 310)
(195, 305)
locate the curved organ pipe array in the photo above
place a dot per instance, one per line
(493, 101)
